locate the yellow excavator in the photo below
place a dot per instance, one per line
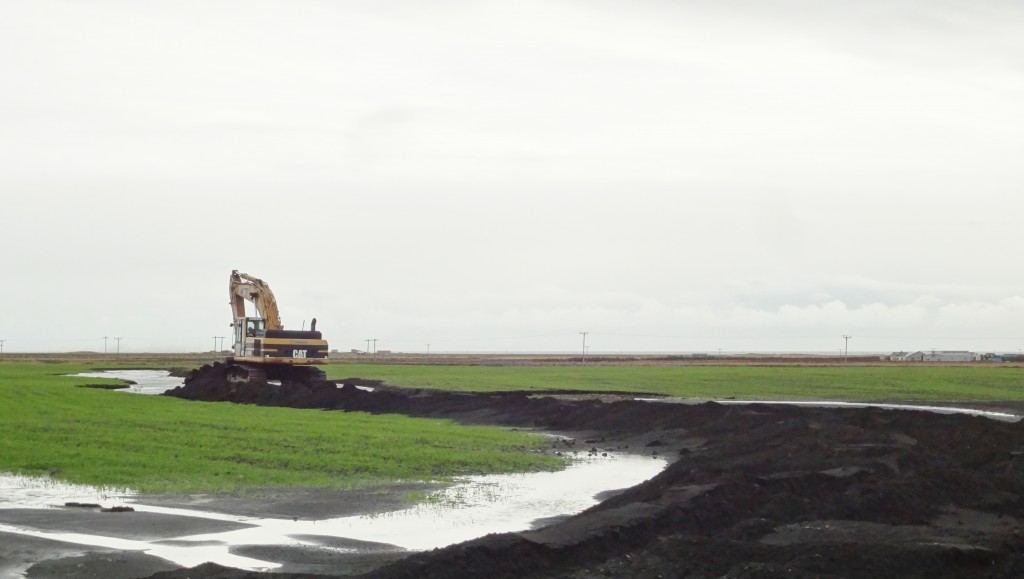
(263, 349)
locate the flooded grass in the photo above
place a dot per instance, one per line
(50, 427)
(44, 492)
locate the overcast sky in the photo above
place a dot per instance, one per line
(668, 175)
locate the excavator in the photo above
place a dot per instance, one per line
(263, 350)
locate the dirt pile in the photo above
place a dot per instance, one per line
(754, 491)
(303, 388)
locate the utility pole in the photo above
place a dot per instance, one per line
(428, 349)
(368, 345)
(118, 347)
(215, 343)
(584, 334)
(374, 340)
(104, 345)
(846, 347)
(2, 347)
(221, 338)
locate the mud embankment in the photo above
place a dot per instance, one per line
(754, 491)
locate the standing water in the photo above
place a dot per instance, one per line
(140, 381)
(474, 506)
(471, 507)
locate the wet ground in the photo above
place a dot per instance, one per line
(53, 529)
(752, 490)
(187, 532)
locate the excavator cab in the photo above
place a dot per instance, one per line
(248, 336)
(255, 327)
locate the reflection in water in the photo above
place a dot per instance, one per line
(471, 508)
(145, 381)
(34, 492)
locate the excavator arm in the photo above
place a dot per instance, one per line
(242, 287)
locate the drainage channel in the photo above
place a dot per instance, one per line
(994, 415)
(159, 381)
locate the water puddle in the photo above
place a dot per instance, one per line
(41, 492)
(145, 381)
(471, 508)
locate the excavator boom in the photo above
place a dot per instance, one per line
(242, 287)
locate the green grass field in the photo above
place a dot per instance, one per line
(861, 383)
(155, 444)
(160, 444)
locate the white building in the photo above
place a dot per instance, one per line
(948, 356)
(935, 356)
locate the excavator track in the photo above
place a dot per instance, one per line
(251, 383)
(309, 375)
(245, 374)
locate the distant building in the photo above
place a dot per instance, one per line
(949, 356)
(935, 356)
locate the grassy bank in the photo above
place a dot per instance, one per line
(744, 382)
(158, 444)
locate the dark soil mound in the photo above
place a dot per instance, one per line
(754, 491)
